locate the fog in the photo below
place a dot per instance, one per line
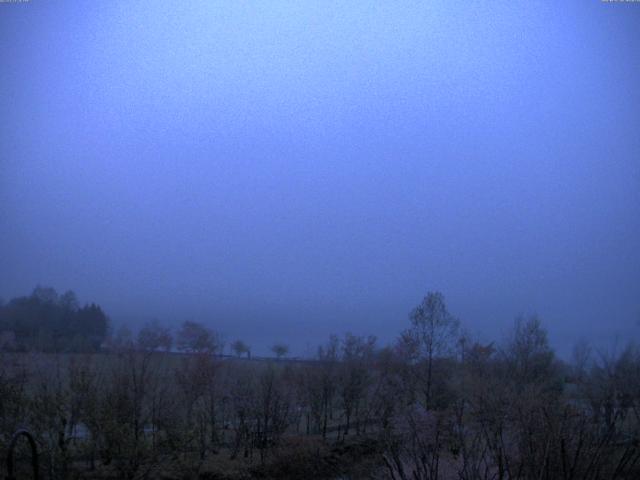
(284, 171)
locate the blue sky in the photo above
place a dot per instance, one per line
(284, 170)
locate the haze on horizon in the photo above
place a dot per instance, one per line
(283, 171)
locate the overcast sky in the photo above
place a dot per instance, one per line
(282, 171)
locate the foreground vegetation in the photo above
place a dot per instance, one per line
(435, 405)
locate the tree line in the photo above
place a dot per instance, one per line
(48, 322)
(435, 404)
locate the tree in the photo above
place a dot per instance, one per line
(355, 375)
(271, 409)
(153, 336)
(123, 339)
(193, 337)
(197, 378)
(328, 361)
(528, 353)
(69, 301)
(280, 350)
(92, 323)
(45, 294)
(240, 348)
(431, 334)
(44, 321)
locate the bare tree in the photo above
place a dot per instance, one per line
(328, 361)
(355, 375)
(528, 354)
(280, 350)
(193, 337)
(13, 397)
(432, 334)
(197, 378)
(154, 337)
(271, 410)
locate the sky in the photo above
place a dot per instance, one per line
(284, 170)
